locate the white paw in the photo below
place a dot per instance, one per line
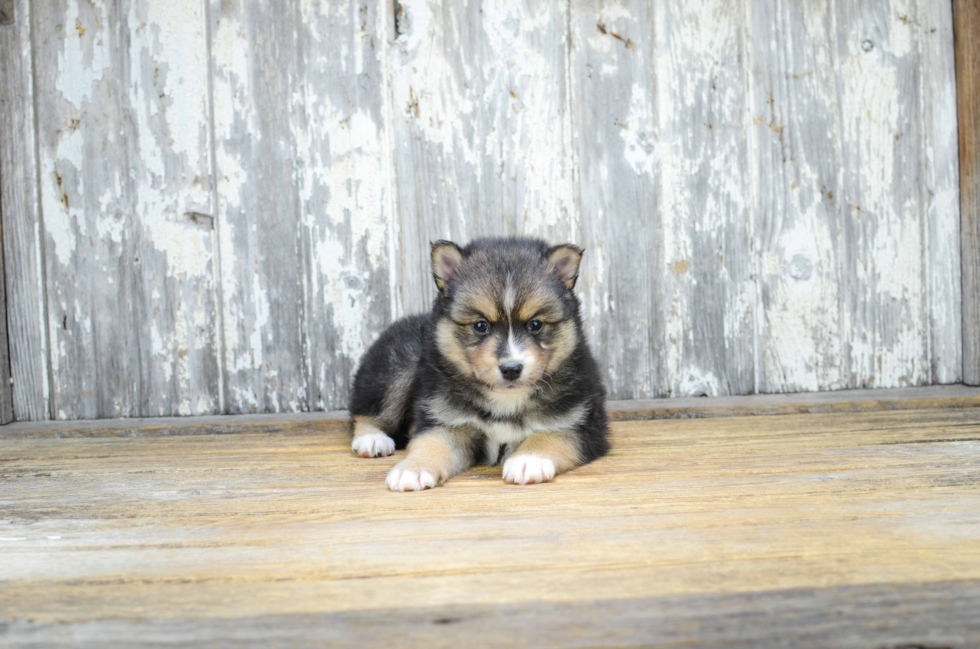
(373, 445)
(400, 479)
(528, 469)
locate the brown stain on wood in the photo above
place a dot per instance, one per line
(678, 267)
(625, 41)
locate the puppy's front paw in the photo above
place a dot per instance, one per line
(404, 478)
(528, 469)
(373, 445)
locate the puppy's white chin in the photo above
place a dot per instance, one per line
(507, 400)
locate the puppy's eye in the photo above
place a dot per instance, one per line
(534, 326)
(481, 327)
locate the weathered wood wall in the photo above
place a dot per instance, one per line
(224, 202)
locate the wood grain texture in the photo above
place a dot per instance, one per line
(885, 311)
(255, 81)
(933, 397)
(21, 212)
(301, 178)
(125, 191)
(616, 131)
(346, 201)
(940, 189)
(236, 203)
(480, 128)
(795, 144)
(6, 396)
(966, 21)
(202, 531)
(709, 325)
(934, 615)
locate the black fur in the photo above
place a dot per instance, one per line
(399, 348)
(411, 343)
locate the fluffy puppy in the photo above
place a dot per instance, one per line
(498, 373)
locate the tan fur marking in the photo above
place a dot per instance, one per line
(560, 448)
(484, 361)
(451, 347)
(441, 452)
(539, 304)
(475, 301)
(540, 362)
(563, 343)
(482, 303)
(396, 399)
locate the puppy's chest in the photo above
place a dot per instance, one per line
(502, 437)
(501, 433)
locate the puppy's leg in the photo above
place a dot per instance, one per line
(434, 456)
(381, 397)
(370, 439)
(542, 456)
(375, 421)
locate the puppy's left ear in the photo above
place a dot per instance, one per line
(446, 257)
(563, 261)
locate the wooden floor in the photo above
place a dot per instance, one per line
(843, 529)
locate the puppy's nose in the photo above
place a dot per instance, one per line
(511, 371)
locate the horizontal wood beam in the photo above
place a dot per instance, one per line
(944, 396)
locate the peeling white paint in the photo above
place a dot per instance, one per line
(639, 135)
(744, 154)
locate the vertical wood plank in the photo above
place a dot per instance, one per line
(82, 168)
(479, 128)
(263, 260)
(966, 21)
(710, 292)
(796, 166)
(940, 188)
(21, 211)
(124, 172)
(885, 314)
(345, 199)
(435, 114)
(6, 396)
(170, 193)
(616, 132)
(298, 103)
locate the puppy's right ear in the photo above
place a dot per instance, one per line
(446, 257)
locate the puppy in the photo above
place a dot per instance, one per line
(498, 372)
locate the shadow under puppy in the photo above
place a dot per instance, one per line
(499, 372)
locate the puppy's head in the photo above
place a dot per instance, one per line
(507, 314)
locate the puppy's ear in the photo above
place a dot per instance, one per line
(563, 261)
(446, 257)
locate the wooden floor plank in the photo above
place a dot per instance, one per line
(174, 535)
(923, 616)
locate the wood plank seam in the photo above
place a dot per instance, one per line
(216, 267)
(42, 254)
(23, 221)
